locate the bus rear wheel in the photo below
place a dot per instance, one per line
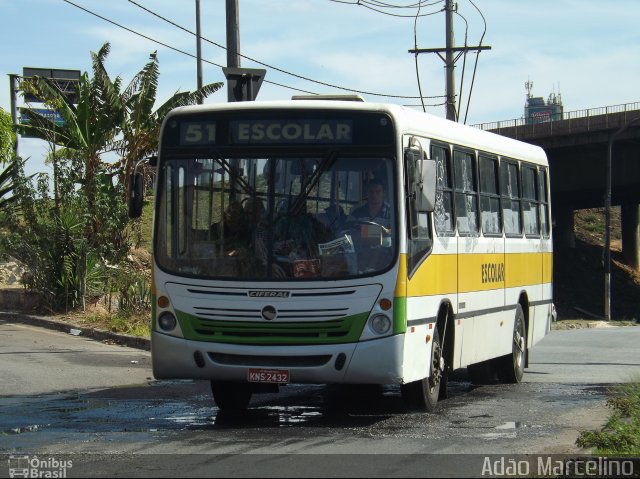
(510, 368)
(230, 396)
(422, 395)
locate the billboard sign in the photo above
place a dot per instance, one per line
(66, 80)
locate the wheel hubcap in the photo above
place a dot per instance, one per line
(519, 347)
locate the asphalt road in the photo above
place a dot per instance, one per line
(68, 397)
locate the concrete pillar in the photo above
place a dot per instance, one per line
(630, 218)
(564, 231)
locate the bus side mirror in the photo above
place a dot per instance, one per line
(426, 194)
(136, 194)
(421, 175)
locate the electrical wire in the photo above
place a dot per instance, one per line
(301, 77)
(415, 41)
(376, 5)
(395, 14)
(473, 78)
(428, 104)
(464, 62)
(171, 47)
(379, 4)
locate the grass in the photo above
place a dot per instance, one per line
(621, 434)
(131, 323)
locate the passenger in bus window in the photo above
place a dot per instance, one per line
(376, 209)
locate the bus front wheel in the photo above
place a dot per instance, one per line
(422, 395)
(230, 396)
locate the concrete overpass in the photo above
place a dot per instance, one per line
(576, 146)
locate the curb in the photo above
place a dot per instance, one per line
(65, 327)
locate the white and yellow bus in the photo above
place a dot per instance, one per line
(267, 272)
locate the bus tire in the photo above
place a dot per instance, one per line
(510, 368)
(422, 395)
(230, 396)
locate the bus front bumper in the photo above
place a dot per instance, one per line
(370, 362)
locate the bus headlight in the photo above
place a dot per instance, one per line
(167, 321)
(380, 324)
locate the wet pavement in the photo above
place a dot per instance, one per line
(181, 417)
(175, 426)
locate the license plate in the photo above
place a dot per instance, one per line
(271, 376)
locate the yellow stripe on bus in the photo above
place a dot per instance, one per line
(401, 282)
(448, 274)
(436, 275)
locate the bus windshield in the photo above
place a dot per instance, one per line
(274, 217)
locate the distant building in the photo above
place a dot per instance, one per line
(536, 110)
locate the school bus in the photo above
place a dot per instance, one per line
(344, 242)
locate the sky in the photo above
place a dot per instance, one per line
(586, 50)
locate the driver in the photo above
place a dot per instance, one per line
(376, 209)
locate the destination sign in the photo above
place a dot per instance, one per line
(268, 131)
(296, 131)
(197, 133)
(276, 128)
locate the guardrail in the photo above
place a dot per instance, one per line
(602, 118)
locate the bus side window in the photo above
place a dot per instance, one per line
(489, 196)
(466, 192)
(510, 188)
(443, 212)
(530, 201)
(543, 195)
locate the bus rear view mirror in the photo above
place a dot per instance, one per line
(426, 193)
(136, 194)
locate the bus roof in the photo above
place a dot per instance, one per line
(407, 120)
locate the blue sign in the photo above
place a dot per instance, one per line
(51, 115)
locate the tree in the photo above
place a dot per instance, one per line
(67, 246)
(7, 137)
(7, 164)
(140, 127)
(106, 119)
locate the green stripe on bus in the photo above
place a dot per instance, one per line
(338, 331)
(399, 315)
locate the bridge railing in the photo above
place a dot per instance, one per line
(601, 118)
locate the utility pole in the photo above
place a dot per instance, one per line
(450, 59)
(243, 84)
(199, 50)
(450, 63)
(233, 41)
(13, 86)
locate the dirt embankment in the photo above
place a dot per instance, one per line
(579, 287)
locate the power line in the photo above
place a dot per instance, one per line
(300, 77)
(415, 41)
(169, 46)
(375, 6)
(450, 60)
(464, 61)
(473, 78)
(398, 15)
